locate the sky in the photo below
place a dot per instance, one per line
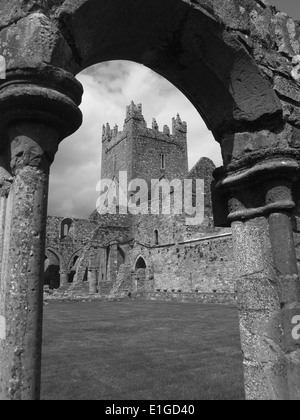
(108, 88)
(291, 7)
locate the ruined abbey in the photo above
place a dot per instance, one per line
(154, 256)
(238, 62)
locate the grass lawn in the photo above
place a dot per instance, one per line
(141, 351)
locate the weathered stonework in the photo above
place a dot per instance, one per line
(238, 62)
(192, 259)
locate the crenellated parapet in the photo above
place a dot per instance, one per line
(109, 133)
(178, 126)
(134, 111)
(135, 124)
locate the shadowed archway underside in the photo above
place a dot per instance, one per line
(190, 43)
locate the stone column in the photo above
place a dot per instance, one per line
(113, 264)
(64, 277)
(134, 278)
(260, 203)
(93, 281)
(37, 110)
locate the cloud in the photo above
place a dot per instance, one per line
(290, 7)
(108, 89)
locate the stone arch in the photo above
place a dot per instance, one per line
(52, 268)
(185, 42)
(65, 227)
(73, 264)
(238, 63)
(52, 251)
(77, 253)
(187, 46)
(140, 274)
(140, 262)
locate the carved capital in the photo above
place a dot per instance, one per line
(46, 95)
(38, 108)
(64, 272)
(259, 188)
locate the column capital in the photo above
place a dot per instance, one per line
(64, 271)
(256, 185)
(45, 94)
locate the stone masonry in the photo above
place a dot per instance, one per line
(176, 257)
(238, 62)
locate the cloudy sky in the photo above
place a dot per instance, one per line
(108, 89)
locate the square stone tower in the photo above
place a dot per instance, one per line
(145, 153)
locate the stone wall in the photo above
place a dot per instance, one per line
(205, 265)
(204, 298)
(66, 247)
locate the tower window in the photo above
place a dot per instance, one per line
(163, 162)
(65, 228)
(156, 237)
(115, 162)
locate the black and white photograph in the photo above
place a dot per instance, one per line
(149, 203)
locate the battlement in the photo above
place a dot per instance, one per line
(108, 134)
(178, 125)
(134, 113)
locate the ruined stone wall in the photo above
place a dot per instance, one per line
(66, 247)
(205, 265)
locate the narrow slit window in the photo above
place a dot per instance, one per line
(163, 161)
(156, 237)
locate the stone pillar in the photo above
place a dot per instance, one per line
(260, 203)
(37, 110)
(93, 281)
(134, 280)
(113, 263)
(64, 277)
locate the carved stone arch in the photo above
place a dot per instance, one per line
(238, 62)
(78, 254)
(187, 46)
(188, 43)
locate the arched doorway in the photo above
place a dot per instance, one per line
(140, 274)
(52, 270)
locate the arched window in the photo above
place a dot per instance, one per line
(66, 225)
(66, 230)
(140, 263)
(156, 237)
